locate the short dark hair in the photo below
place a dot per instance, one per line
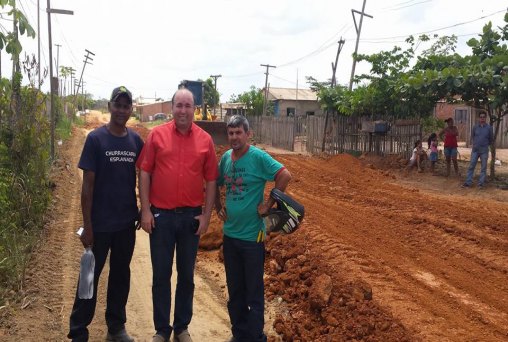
(482, 113)
(238, 120)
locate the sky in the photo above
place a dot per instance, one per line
(150, 46)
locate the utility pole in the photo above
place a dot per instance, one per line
(52, 84)
(83, 97)
(334, 66)
(334, 83)
(57, 59)
(215, 77)
(85, 62)
(265, 100)
(71, 85)
(38, 44)
(16, 91)
(358, 31)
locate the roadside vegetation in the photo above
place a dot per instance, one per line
(25, 160)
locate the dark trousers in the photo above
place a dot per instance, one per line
(174, 229)
(121, 245)
(244, 263)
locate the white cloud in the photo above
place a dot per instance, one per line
(151, 45)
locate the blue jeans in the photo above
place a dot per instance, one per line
(483, 154)
(173, 229)
(121, 245)
(244, 264)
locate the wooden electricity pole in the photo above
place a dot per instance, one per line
(85, 62)
(334, 83)
(265, 99)
(52, 85)
(215, 77)
(358, 31)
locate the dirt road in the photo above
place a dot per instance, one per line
(380, 257)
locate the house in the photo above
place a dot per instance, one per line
(288, 101)
(146, 112)
(233, 108)
(465, 117)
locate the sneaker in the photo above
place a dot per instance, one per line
(159, 338)
(120, 336)
(481, 186)
(465, 185)
(184, 336)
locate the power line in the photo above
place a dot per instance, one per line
(73, 57)
(401, 6)
(438, 29)
(320, 49)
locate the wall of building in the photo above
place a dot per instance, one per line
(302, 107)
(145, 111)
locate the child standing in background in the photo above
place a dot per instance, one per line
(432, 142)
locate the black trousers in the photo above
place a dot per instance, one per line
(120, 245)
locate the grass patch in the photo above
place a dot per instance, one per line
(152, 124)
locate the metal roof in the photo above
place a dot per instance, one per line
(290, 94)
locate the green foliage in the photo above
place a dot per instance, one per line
(24, 167)
(253, 100)
(211, 95)
(431, 125)
(9, 40)
(331, 98)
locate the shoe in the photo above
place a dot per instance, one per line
(159, 338)
(465, 185)
(481, 186)
(184, 336)
(120, 336)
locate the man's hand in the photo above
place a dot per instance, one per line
(263, 209)
(204, 222)
(147, 221)
(87, 237)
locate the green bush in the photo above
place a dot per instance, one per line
(24, 191)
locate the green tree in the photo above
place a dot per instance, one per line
(253, 100)
(211, 95)
(479, 79)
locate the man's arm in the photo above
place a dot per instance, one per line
(204, 218)
(147, 221)
(86, 207)
(281, 182)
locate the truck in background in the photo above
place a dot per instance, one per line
(202, 117)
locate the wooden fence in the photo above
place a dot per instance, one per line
(343, 135)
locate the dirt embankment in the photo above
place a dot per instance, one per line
(380, 257)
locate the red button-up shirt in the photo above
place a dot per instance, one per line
(178, 164)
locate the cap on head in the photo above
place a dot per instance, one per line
(119, 91)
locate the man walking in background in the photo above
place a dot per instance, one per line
(482, 137)
(177, 159)
(109, 206)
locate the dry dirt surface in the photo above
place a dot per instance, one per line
(380, 256)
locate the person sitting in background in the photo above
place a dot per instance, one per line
(417, 157)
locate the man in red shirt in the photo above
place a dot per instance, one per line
(178, 158)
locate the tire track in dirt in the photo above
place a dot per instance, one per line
(428, 255)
